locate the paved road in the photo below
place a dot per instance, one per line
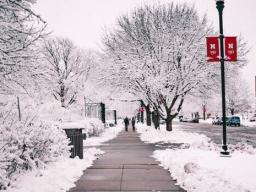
(127, 165)
(234, 134)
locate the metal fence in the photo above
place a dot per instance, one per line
(95, 110)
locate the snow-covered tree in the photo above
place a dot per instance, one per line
(20, 28)
(238, 95)
(67, 69)
(158, 54)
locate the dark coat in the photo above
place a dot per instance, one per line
(133, 122)
(126, 121)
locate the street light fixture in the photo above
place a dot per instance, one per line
(220, 7)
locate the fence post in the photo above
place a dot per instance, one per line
(115, 117)
(103, 117)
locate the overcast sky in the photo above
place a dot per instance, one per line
(84, 21)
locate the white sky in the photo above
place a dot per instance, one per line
(84, 21)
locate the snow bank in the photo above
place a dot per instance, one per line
(58, 176)
(197, 170)
(197, 165)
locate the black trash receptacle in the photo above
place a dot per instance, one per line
(76, 140)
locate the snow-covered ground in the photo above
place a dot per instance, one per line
(61, 175)
(248, 123)
(197, 164)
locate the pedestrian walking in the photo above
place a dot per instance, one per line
(126, 123)
(133, 124)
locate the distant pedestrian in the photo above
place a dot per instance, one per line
(126, 123)
(133, 124)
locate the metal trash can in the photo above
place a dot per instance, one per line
(76, 141)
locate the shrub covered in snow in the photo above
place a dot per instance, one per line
(91, 126)
(70, 118)
(28, 144)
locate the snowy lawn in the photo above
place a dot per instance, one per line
(248, 123)
(197, 164)
(61, 175)
(209, 121)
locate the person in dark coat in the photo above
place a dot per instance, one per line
(126, 123)
(133, 124)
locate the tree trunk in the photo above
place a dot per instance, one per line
(232, 111)
(168, 123)
(138, 117)
(148, 115)
(142, 116)
(142, 111)
(62, 95)
(156, 119)
(204, 111)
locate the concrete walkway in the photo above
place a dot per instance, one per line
(126, 166)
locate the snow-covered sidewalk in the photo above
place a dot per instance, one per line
(61, 175)
(197, 164)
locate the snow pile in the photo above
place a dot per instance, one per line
(61, 175)
(28, 144)
(197, 170)
(58, 176)
(242, 147)
(197, 165)
(91, 126)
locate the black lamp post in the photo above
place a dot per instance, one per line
(220, 7)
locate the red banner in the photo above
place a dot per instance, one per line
(230, 48)
(212, 49)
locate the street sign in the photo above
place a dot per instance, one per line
(230, 48)
(212, 49)
(141, 109)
